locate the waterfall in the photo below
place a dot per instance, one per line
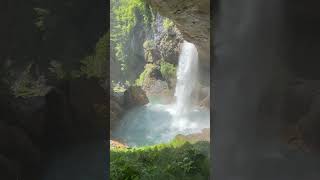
(187, 78)
(157, 123)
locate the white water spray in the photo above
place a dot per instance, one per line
(187, 78)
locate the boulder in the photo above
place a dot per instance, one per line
(135, 96)
(116, 144)
(116, 111)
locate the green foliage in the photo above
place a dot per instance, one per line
(173, 161)
(27, 86)
(167, 70)
(96, 65)
(57, 69)
(41, 15)
(123, 20)
(145, 74)
(117, 87)
(167, 24)
(149, 44)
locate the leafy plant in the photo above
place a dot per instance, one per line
(167, 24)
(167, 70)
(27, 86)
(175, 160)
(41, 15)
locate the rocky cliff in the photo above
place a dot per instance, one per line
(192, 18)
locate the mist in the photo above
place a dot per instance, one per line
(251, 70)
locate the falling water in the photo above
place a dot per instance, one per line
(159, 123)
(187, 77)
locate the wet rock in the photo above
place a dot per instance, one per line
(135, 96)
(159, 92)
(116, 144)
(204, 135)
(169, 46)
(75, 107)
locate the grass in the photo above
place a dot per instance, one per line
(176, 160)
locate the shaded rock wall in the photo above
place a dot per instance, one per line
(41, 31)
(74, 111)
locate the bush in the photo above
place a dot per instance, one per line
(145, 74)
(167, 70)
(176, 160)
(167, 24)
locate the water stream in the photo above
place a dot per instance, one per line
(158, 123)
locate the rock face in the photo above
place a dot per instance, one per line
(169, 45)
(192, 18)
(116, 110)
(302, 114)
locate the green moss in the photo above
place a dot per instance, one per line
(167, 70)
(175, 160)
(167, 24)
(95, 65)
(145, 74)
